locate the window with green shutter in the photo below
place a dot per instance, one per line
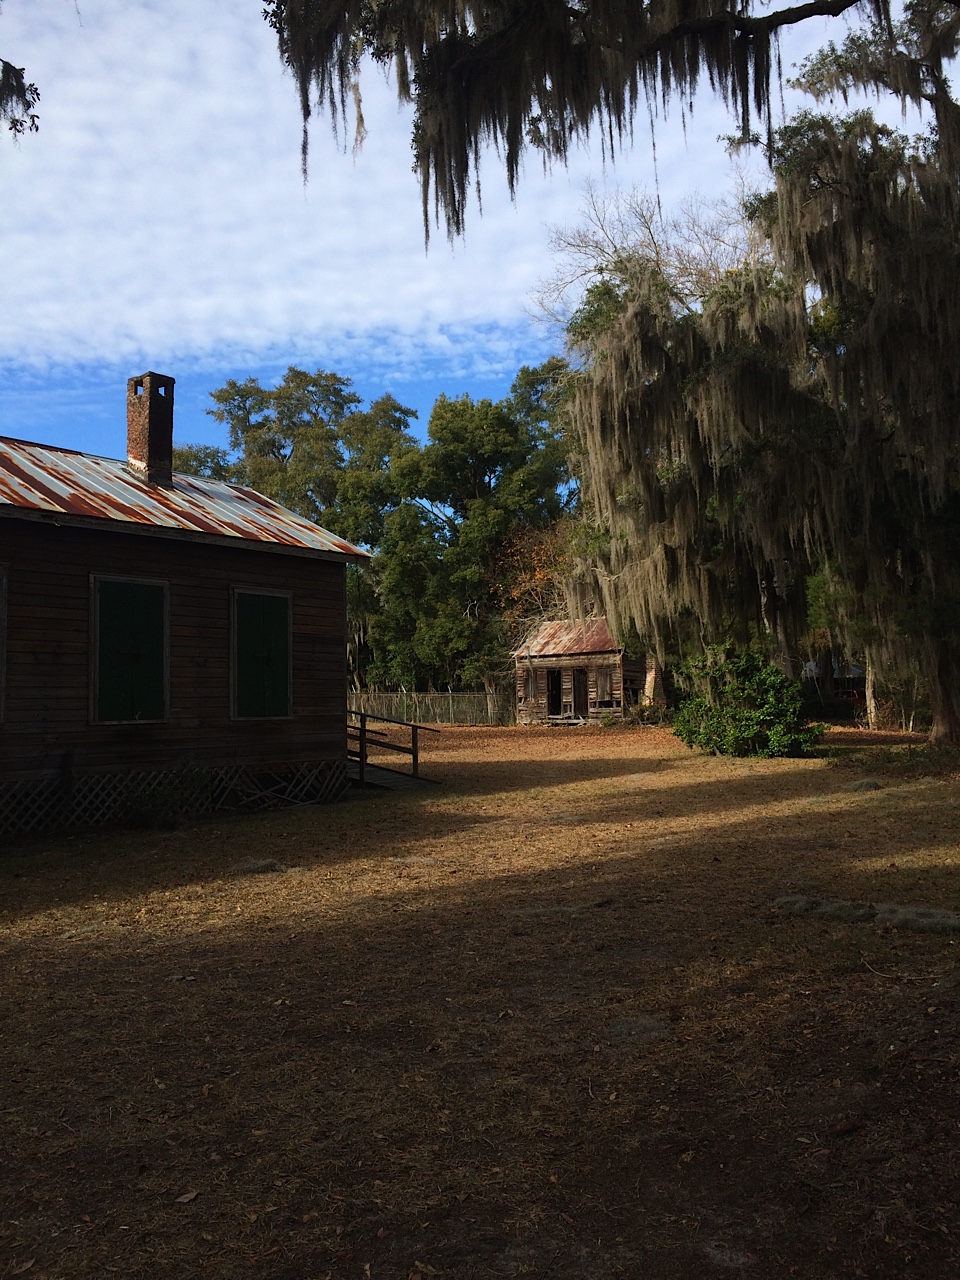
(261, 654)
(131, 650)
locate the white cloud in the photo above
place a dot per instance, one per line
(159, 218)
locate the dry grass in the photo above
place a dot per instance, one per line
(536, 1022)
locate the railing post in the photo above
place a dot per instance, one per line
(414, 741)
(362, 746)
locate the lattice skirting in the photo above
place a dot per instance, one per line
(161, 797)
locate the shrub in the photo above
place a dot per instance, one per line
(742, 705)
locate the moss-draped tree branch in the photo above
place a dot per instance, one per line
(18, 99)
(532, 73)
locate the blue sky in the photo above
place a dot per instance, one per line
(159, 221)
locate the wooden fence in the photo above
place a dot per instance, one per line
(437, 708)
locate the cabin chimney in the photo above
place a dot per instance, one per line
(150, 428)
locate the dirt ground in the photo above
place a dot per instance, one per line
(537, 1021)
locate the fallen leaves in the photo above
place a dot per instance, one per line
(376, 1064)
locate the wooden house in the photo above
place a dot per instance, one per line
(575, 671)
(165, 640)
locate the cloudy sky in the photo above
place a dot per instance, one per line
(159, 221)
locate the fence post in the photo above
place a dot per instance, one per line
(415, 744)
(362, 745)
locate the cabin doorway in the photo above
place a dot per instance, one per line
(554, 693)
(580, 703)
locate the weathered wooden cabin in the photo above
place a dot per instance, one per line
(164, 639)
(574, 671)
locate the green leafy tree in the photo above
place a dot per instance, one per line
(287, 438)
(308, 444)
(436, 515)
(373, 442)
(209, 460)
(487, 471)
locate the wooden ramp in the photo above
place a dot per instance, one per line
(375, 775)
(361, 739)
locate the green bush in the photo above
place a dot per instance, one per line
(742, 705)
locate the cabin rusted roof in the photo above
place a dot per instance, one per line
(42, 478)
(556, 639)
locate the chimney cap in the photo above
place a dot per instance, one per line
(161, 379)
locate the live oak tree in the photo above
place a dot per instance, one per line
(533, 73)
(800, 414)
(691, 548)
(872, 221)
(287, 436)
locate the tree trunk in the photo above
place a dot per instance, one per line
(774, 622)
(870, 694)
(653, 694)
(946, 724)
(786, 649)
(825, 674)
(490, 689)
(942, 680)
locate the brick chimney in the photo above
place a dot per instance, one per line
(150, 428)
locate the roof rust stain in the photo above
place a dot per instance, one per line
(556, 639)
(38, 477)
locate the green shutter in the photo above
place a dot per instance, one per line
(262, 655)
(130, 651)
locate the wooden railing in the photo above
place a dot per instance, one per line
(366, 739)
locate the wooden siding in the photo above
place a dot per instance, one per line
(47, 725)
(626, 686)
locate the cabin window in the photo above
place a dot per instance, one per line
(261, 654)
(604, 687)
(130, 645)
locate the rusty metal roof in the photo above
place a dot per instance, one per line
(556, 639)
(39, 477)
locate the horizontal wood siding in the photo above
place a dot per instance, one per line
(47, 725)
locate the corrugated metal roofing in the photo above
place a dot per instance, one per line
(39, 477)
(555, 639)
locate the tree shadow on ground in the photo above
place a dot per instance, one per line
(644, 805)
(569, 1051)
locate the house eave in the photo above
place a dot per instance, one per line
(58, 518)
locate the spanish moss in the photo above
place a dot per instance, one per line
(516, 74)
